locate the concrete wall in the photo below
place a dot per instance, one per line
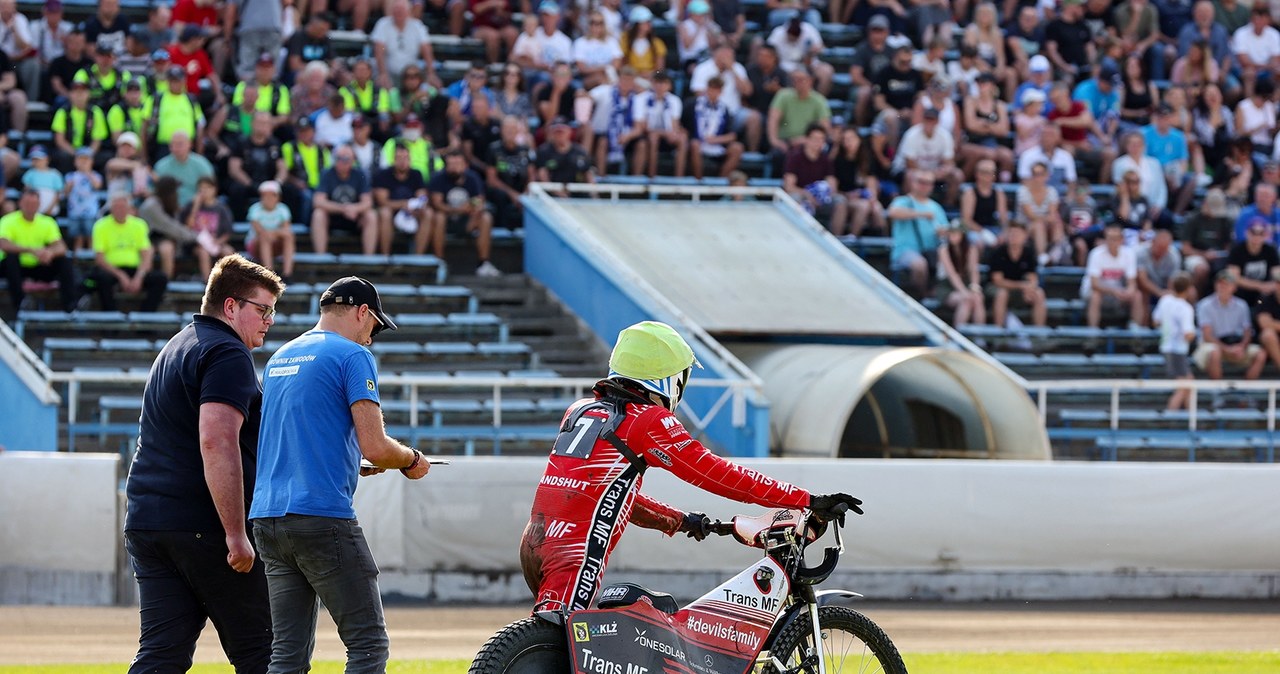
(933, 529)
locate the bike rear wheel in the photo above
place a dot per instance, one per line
(850, 643)
(528, 646)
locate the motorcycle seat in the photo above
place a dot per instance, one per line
(626, 594)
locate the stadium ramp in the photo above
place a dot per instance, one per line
(808, 350)
(28, 399)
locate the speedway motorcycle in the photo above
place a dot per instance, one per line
(768, 619)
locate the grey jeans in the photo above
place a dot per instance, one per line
(251, 44)
(310, 558)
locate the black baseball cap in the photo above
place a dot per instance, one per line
(354, 291)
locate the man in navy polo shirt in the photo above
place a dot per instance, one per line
(185, 528)
(321, 395)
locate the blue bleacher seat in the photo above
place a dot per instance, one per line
(448, 348)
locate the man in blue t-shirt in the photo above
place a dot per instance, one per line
(1168, 145)
(320, 394)
(343, 200)
(916, 221)
(185, 527)
(1263, 210)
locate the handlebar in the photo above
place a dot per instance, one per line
(721, 528)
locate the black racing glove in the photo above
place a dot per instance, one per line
(826, 506)
(697, 525)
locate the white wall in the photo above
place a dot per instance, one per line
(934, 529)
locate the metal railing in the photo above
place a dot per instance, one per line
(1115, 387)
(731, 401)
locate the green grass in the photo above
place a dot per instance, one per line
(1217, 662)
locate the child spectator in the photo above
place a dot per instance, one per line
(210, 219)
(1175, 317)
(272, 229)
(82, 187)
(47, 182)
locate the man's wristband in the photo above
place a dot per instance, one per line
(417, 458)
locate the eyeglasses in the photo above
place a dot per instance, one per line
(268, 312)
(1257, 232)
(596, 23)
(377, 328)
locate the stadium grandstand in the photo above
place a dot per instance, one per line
(1074, 199)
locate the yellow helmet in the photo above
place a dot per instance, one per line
(655, 356)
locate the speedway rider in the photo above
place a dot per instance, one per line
(591, 487)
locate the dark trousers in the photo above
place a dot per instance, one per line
(59, 269)
(104, 283)
(310, 558)
(184, 580)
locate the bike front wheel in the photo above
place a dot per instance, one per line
(850, 643)
(527, 646)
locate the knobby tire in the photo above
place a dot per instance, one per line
(527, 646)
(851, 643)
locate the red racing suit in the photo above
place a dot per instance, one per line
(591, 490)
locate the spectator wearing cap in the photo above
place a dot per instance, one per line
(106, 82)
(312, 43)
(175, 111)
(136, 59)
(736, 88)
(1028, 123)
(596, 56)
(272, 97)
(491, 24)
(366, 98)
(400, 195)
(641, 48)
(186, 166)
(306, 161)
(1068, 42)
(77, 125)
(202, 78)
(541, 46)
(1039, 80)
(1257, 48)
(661, 113)
(46, 181)
(333, 124)
(63, 68)
(19, 46)
(107, 24)
(421, 156)
(1168, 145)
(1263, 211)
(929, 146)
(697, 34)
(81, 191)
(398, 41)
(255, 160)
(798, 45)
(272, 230)
(793, 110)
(202, 14)
(128, 171)
(157, 76)
(783, 11)
(1101, 96)
(33, 248)
(561, 160)
(896, 88)
(157, 31)
(1226, 332)
(871, 56)
(258, 30)
(123, 258)
(344, 201)
(48, 35)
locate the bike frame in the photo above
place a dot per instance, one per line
(728, 630)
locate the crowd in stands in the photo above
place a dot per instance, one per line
(1134, 138)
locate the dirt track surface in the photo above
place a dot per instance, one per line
(49, 634)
